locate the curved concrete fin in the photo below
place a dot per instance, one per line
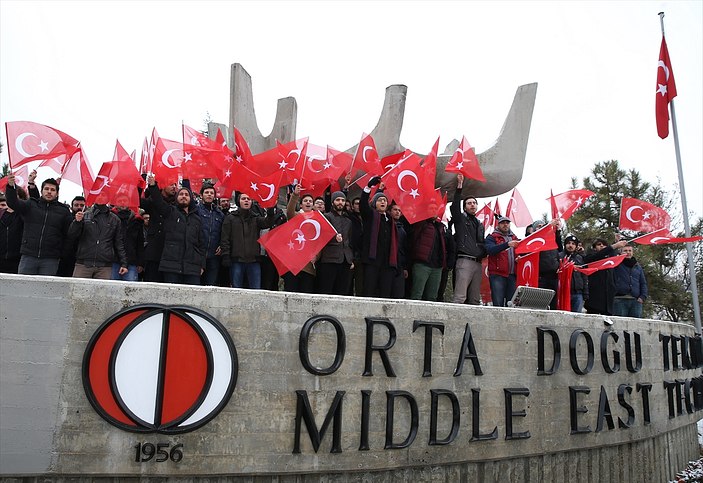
(502, 163)
(386, 134)
(243, 116)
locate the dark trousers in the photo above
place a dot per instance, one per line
(333, 278)
(301, 283)
(212, 270)
(551, 283)
(152, 273)
(181, 279)
(269, 274)
(378, 281)
(10, 265)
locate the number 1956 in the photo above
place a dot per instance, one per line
(147, 451)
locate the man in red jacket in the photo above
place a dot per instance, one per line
(501, 262)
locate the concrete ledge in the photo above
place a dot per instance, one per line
(49, 428)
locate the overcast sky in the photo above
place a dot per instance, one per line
(105, 70)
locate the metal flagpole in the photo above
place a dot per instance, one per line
(687, 226)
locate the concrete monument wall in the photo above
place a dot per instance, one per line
(348, 389)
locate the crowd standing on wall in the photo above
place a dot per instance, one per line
(179, 237)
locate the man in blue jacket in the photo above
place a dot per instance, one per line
(630, 286)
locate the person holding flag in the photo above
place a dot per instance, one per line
(601, 285)
(500, 247)
(579, 281)
(630, 286)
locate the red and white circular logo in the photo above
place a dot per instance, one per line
(153, 368)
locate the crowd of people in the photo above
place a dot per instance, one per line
(181, 237)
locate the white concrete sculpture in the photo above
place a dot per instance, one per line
(502, 163)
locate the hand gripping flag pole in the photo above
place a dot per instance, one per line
(687, 226)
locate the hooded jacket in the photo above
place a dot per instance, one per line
(184, 251)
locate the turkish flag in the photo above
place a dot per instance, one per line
(412, 187)
(28, 141)
(565, 204)
(464, 161)
(314, 171)
(430, 161)
(486, 216)
(528, 270)
(297, 241)
(517, 210)
(566, 269)
(496, 209)
(167, 161)
(638, 215)
(662, 237)
(666, 90)
(242, 152)
(542, 240)
(116, 184)
(604, 264)
(366, 157)
(21, 177)
(263, 189)
(78, 170)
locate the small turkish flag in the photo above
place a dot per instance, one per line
(662, 237)
(21, 176)
(366, 157)
(29, 141)
(528, 270)
(517, 210)
(666, 90)
(605, 264)
(565, 204)
(539, 241)
(566, 269)
(638, 215)
(297, 241)
(464, 161)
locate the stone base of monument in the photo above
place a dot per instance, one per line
(144, 381)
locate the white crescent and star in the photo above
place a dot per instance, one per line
(538, 239)
(403, 174)
(527, 265)
(314, 223)
(666, 69)
(272, 190)
(18, 143)
(311, 159)
(656, 239)
(105, 183)
(165, 158)
(363, 153)
(630, 210)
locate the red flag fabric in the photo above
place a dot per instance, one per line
(78, 171)
(638, 215)
(662, 237)
(144, 159)
(366, 157)
(168, 158)
(412, 187)
(517, 210)
(528, 270)
(29, 141)
(21, 177)
(120, 153)
(604, 264)
(666, 90)
(241, 148)
(464, 161)
(297, 241)
(566, 270)
(539, 241)
(496, 209)
(262, 189)
(430, 161)
(116, 181)
(486, 216)
(568, 202)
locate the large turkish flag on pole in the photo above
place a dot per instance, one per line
(666, 90)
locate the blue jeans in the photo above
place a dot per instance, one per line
(253, 271)
(38, 266)
(131, 276)
(627, 308)
(576, 302)
(502, 289)
(212, 269)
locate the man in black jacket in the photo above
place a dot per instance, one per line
(469, 237)
(183, 255)
(337, 257)
(155, 232)
(11, 227)
(46, 223)
(100, 242)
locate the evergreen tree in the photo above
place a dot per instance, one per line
(666, 266)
